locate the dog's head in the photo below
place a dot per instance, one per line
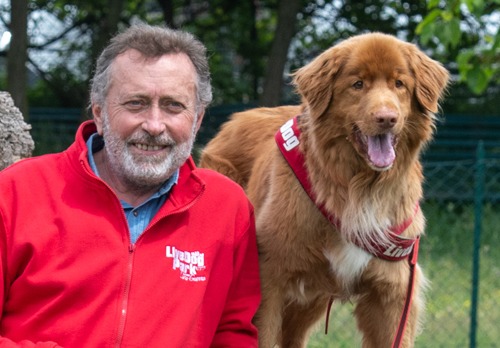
(376, 91)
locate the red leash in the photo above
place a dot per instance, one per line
(399, 248)
(398, 339)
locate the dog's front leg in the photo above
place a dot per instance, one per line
(381, 302)
(269, 316)
(300, 319)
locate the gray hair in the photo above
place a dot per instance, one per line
(152, 42)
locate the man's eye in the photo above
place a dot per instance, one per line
(135, 104)
(173, 106)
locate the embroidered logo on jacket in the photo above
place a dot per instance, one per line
(189, 263)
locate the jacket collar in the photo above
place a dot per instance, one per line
(183, 195)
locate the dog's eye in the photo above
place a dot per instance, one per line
(358, 84)
(399, 83)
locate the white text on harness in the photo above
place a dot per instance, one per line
(397, 251)
(291, 140)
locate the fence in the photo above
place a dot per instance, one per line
(53, 130)
(472, 241)
(460, 252)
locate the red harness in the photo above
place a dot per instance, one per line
(399, 248)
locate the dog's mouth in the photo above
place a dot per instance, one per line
(379, 150)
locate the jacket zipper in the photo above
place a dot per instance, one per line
(131, 249)
(128, 276)
(126, 291)
(132, 246)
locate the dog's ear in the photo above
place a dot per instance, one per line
(431, 79)
(314, 81)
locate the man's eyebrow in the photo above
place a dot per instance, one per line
(178, 98)
(126, 97)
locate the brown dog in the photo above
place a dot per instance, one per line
(367, 110)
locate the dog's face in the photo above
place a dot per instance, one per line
(376, 91)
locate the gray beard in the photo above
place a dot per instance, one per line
(144, 173)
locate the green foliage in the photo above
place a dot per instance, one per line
(3, 82)
(237, 38)
(470, 30)
(239, 35)
(323, 26)
(48, 94)
(41, 96)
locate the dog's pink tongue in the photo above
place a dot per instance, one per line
(380, 150)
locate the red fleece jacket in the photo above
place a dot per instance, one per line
(72, 278)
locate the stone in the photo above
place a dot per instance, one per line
(15, 139)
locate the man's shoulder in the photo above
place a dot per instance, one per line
(221, 187)
(30, 166)
(215, 178)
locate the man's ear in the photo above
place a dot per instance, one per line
(97, 113)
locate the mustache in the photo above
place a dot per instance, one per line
(145, 138)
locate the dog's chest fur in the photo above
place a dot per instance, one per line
(348, 263)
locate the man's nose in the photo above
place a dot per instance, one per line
(154, 121)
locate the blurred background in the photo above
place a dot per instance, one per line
(47, 54)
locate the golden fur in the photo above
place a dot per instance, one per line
(368, 87)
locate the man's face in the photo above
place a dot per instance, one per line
(149, 120)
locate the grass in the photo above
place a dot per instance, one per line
(446, 254)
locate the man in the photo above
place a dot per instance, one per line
(120, 240)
